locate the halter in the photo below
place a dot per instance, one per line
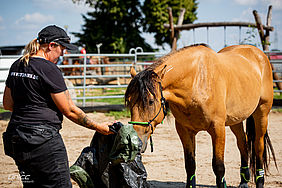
(145, 124)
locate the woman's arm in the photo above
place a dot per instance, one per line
(8, 102)
(65, 104)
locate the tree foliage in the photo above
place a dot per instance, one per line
(114, 23)
(118, 24)
(156, 15)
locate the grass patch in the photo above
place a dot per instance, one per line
(100, 91)
(277, 110)
(110, 101)
(2, 110)
(115, 90)
(103, 92)
(277, 96)
(119, 114)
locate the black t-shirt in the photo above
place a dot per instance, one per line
(31, 87)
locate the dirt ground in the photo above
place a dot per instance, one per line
(165, 166)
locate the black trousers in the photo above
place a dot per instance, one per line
(45, 165)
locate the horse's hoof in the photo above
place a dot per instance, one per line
(221, 184)
(243, 185)
(259, 185)
(260, 182)
(191, 183)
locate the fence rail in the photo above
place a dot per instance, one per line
(87, 72)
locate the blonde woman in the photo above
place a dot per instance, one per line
(36, 94)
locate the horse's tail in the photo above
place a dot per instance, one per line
(268, 148)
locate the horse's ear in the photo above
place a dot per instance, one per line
(132, 72)
(162, 72)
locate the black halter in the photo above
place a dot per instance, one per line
(149, 123)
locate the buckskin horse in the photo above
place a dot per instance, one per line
(207, 91)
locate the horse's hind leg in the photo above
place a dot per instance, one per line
(239, 132)
(261, 121)
(257, 140)
(217, 132)
(187, 138)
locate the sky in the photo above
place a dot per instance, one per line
(21, 20)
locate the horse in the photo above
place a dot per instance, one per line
(207, 91)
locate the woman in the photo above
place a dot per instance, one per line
(36, 94)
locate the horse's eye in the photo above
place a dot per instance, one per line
(151, 102)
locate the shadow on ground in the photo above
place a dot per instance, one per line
(160, 184)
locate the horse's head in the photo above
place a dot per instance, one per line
(145, 100)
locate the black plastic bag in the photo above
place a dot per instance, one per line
(126, 145)
(95, 168)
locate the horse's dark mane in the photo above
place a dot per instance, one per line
(143, 84)
(164, 58)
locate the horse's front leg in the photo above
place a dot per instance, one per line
(217, 132)
(187, 138)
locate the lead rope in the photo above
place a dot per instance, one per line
(150, 121)
(151, 143)
(165, 113)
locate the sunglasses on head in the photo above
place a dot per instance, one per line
(44, 40)
(62, 39)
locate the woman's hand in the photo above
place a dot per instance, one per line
(103, 128)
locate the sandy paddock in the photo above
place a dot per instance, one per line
(165, 166)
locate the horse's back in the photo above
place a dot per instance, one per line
(248, 59)
(249, 80)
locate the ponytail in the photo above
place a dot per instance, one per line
(30, 49)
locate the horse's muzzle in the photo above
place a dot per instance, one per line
(144, 145)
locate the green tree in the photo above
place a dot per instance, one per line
(117, 24)
(114, 23)
(156, 15)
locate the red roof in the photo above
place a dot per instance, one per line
(276, 57)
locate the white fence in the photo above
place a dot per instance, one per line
(5, 64)
(86, 72)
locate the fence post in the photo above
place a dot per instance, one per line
(135, 50)
(84, 79)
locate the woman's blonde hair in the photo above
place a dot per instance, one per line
(30, 49)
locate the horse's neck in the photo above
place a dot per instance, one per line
(178, 74)
(184, 74)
